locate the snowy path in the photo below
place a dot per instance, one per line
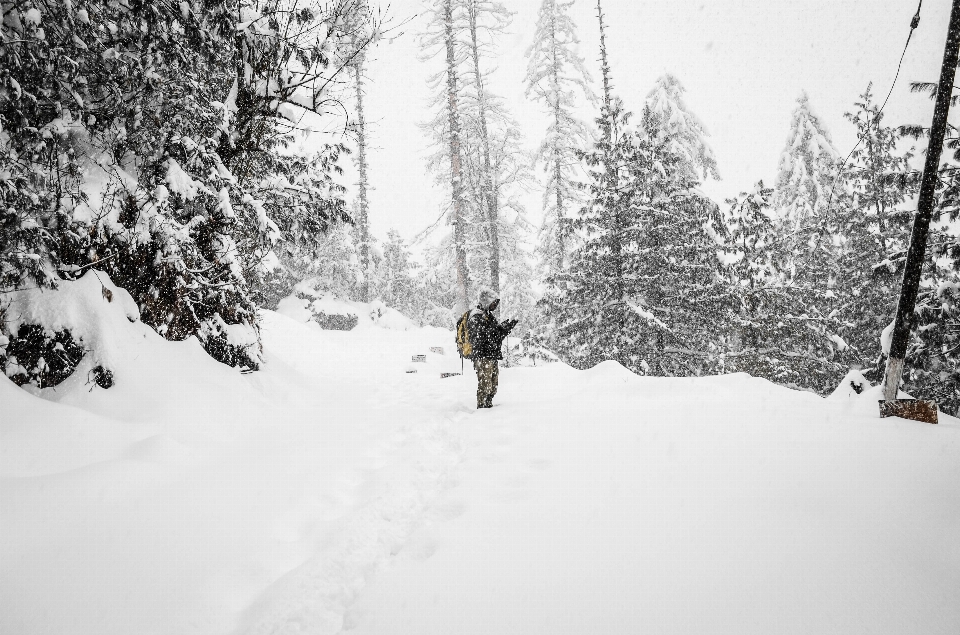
(333, 492)
(398, 484)
(719, 505)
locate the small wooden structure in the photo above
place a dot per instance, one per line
(916, 409)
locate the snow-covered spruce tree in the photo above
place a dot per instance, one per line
(806, 171)
(643, 289)
(686, 133)
(773, 327)
(275, 74)
(807, 202)
(873, 224)
(396, 278)
(61, 71)
(445, 27)
(555, 76)
(498, 169)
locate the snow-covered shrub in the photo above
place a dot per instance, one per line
(329, 312)
(531, 349)
(36, 357)
(53, 333)
(326, 310)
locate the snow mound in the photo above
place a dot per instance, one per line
(307, 305)
(852, 385)
(92, 309)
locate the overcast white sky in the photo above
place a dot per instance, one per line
(743, 63)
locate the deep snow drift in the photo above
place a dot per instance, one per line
(335, 491)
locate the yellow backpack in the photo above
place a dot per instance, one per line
(463, 337)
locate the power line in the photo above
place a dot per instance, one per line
(914, 23)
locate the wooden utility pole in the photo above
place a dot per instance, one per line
(921, 224)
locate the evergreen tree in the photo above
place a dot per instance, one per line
(643, 289)
(606, 106)
(685, 132)
(806, 171)
(874, 226)
(773, 326)
(396, 281)
(555, 76)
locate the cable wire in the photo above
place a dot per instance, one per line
(914, 23)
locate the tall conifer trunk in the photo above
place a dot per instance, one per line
(456, 169)
(610, 170)
(363, 225)
(489, 194)
(605, 73)
(557, 166)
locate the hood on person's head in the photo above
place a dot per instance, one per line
(487, 298)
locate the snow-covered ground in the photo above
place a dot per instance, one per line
(334, 491)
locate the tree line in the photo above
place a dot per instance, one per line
(168, 144)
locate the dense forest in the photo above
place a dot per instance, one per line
(168, 146)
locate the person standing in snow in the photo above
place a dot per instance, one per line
(486, 337)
